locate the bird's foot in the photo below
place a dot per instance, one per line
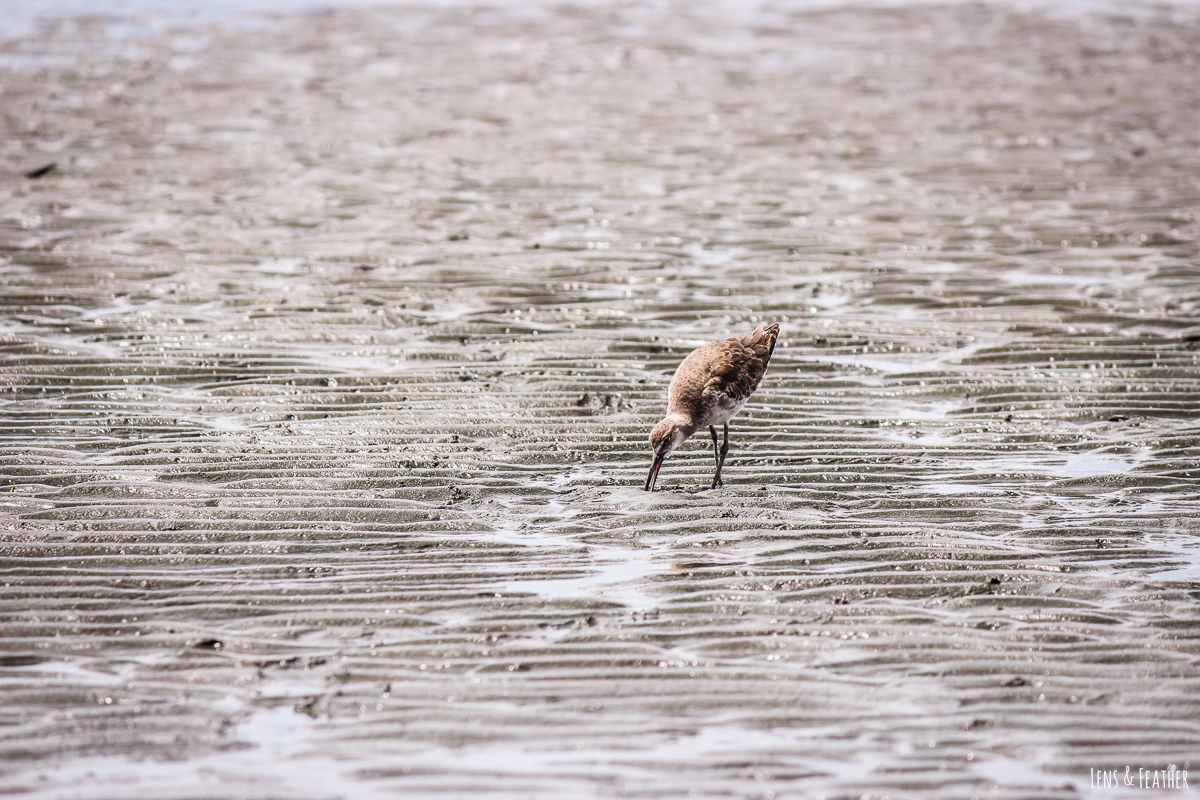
(717, 483)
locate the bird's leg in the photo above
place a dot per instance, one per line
(717, 482)
(716, 455)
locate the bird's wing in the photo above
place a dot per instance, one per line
(736, 370)
(733, 368)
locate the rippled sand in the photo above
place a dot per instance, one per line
(331, 345)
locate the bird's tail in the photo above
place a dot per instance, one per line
(762, 341)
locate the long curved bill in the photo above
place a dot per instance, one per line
(653, 476)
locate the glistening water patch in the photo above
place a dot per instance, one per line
(611, 575)
(1096, 463)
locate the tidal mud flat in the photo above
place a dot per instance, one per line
(331, 343)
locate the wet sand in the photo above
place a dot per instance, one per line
(332, 342)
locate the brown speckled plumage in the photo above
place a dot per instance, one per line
(711, 385)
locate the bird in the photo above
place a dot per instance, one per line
(710, 386)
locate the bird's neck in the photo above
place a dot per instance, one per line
(682, 422)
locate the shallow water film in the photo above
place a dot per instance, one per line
(331, 342)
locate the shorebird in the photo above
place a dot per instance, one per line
(709, 388)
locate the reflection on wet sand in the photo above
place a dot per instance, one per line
(331, 343)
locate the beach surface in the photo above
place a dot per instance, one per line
(330, 341)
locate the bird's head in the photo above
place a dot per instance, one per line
(666, 436)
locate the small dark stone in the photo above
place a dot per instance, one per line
(42, 171)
